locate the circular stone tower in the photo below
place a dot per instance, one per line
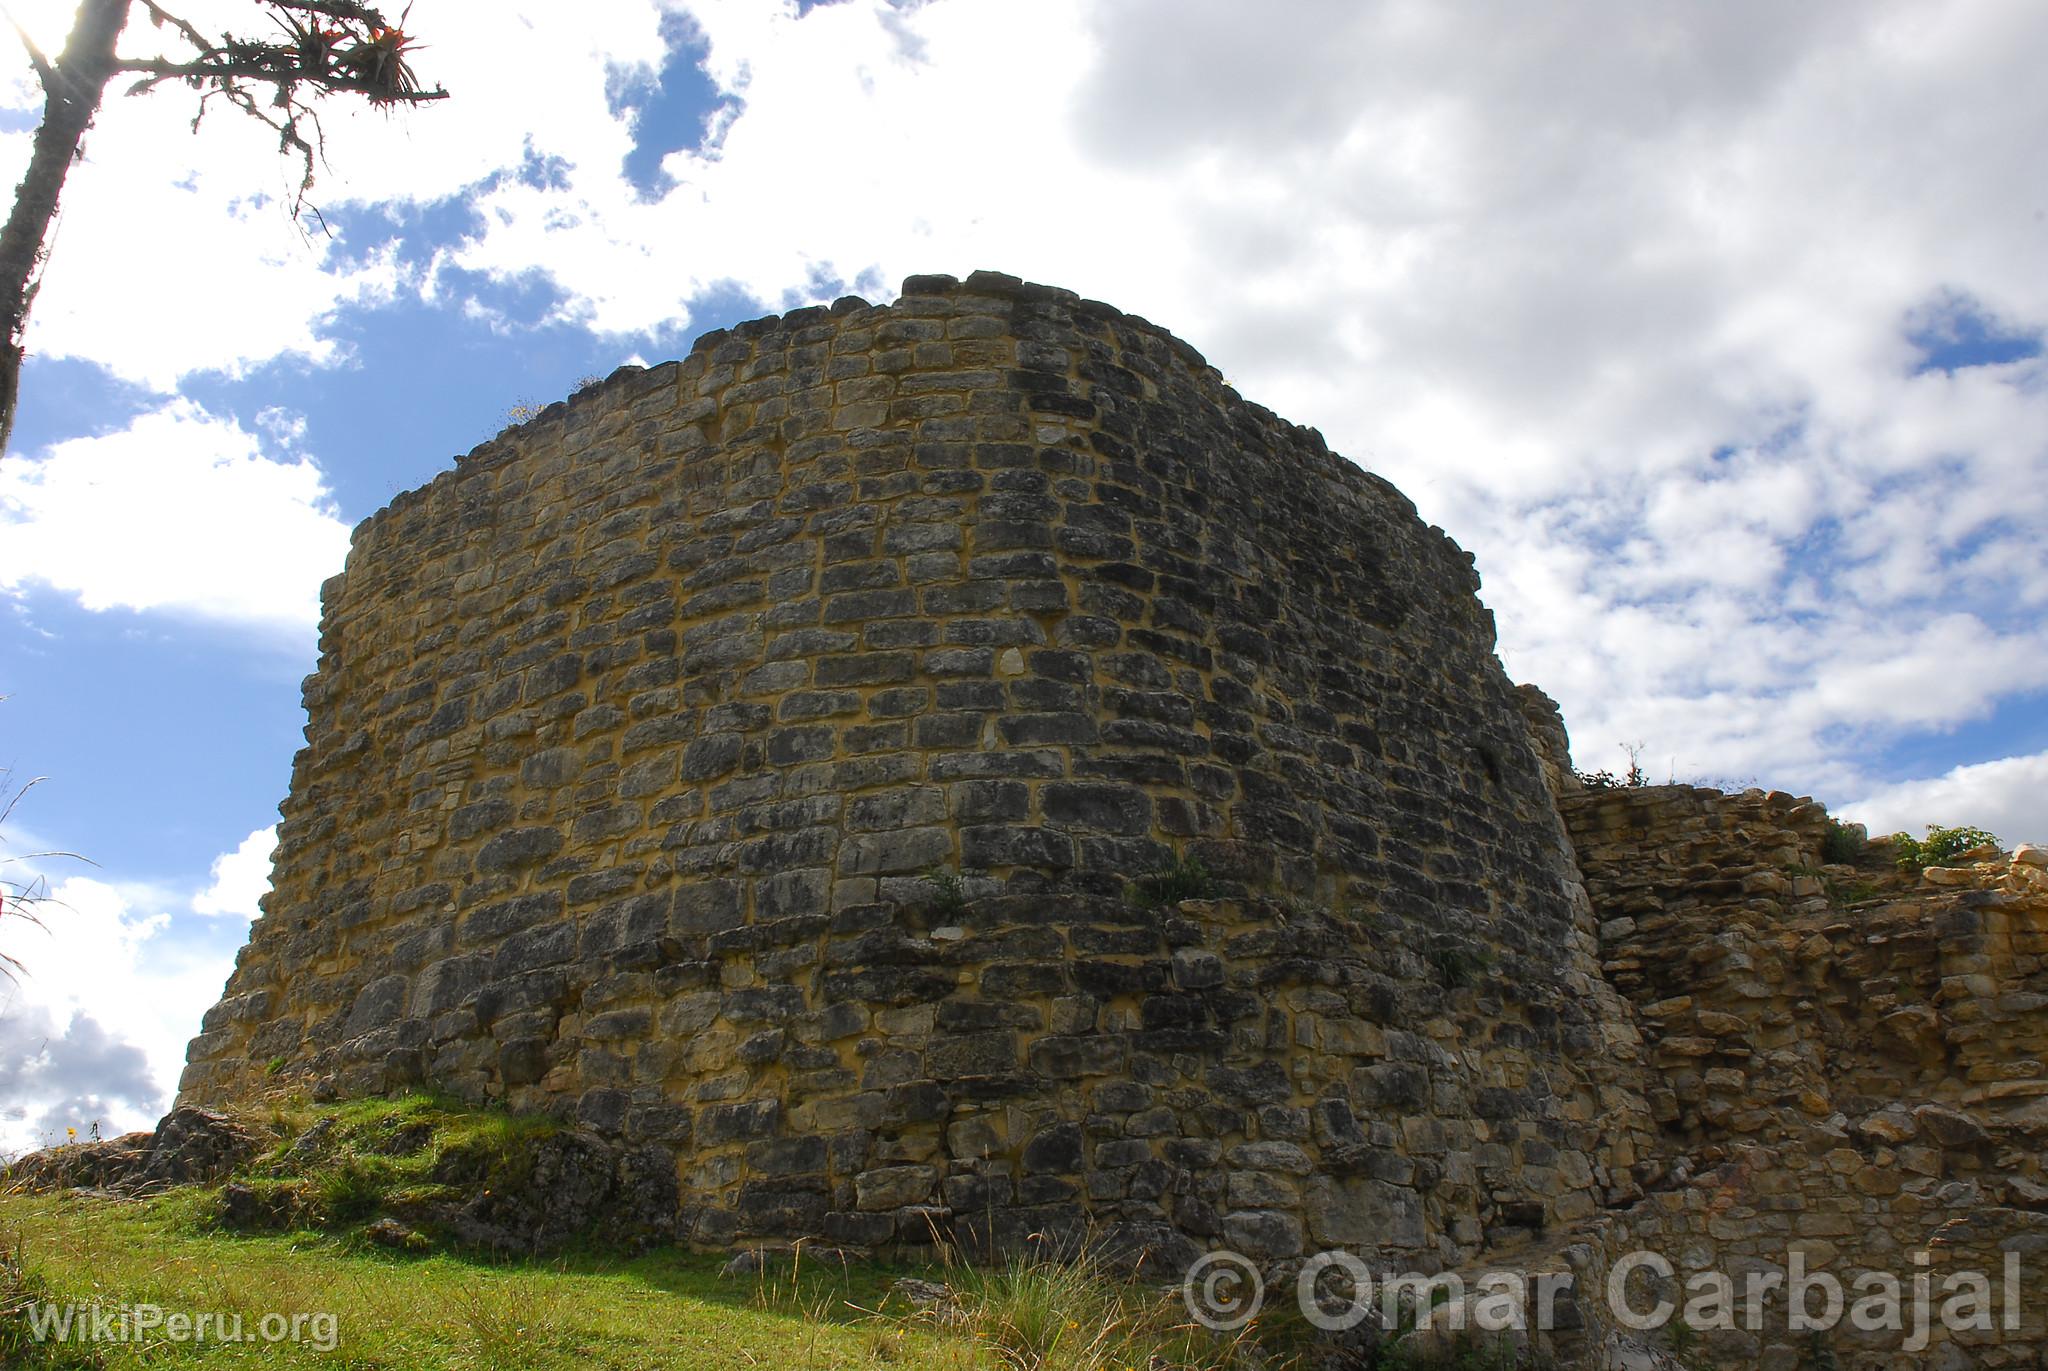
(950, 768)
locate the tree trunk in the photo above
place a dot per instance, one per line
(71, 91)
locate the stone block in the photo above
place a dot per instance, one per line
(893, 1187)
(897, 852)
(1263, 1234)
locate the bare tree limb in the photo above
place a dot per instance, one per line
(336, 9)
(157, 70)
(163, 18)
(44, 73)
(321, 48)
(72, 98)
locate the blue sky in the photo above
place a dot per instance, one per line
(1716, 335)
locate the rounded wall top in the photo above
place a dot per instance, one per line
(920, 295)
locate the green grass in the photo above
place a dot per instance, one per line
(343, 1164)
(1032, 1314)
(443, 1311)
(449, 1311)
(437, 1307)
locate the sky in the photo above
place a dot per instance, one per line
(1714, 332)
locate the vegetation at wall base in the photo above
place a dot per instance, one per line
(324, 1194)
(440, 1310)
(445, 1310)
(434, 1304)
(1469, 1351)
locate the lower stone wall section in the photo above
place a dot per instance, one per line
(1277, 1079)
(1847, 1065)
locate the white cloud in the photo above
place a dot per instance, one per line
(1623, 297)
(180, 511)
(1620, 297)
(240, 878)
(849, 156)
(2008, 797)
(66, 1080)
(114, 983)
(97, 1024)
(529, 81)
(174, 254)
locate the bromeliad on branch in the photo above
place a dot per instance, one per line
(355, 51)
(322, 47)
(359, 52)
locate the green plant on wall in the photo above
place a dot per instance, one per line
(1184, 879)
(1940, 845)
(1458, 967)
(1632, 779)
(1844, 893)
(949, 892)
(1843, 844)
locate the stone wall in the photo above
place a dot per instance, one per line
(753, 757)
(758, 759)
(1848, 1063)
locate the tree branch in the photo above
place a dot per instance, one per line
(44, 73)
(334, 9)
(161, 17)
(322, 47)
(158, 70)
(80, 78)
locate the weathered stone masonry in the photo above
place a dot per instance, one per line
(1846, 1063)
(632, 734)
(637, 738)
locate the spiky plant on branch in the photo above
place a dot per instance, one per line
(321, 47)
(316, 48)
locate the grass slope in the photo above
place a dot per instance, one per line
(444, 1307)
(443, 1310)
